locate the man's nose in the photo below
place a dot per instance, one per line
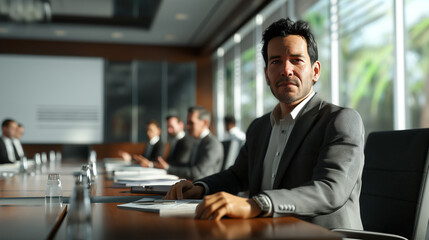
(287, 69)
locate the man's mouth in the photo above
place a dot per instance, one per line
(286, 83)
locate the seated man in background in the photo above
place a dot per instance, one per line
(234, 133)
(304, 159)
(180, 144)
(207, 153)
(8, 153)
(17, 141)
(154, 147)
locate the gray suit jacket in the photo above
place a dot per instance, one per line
(181, 154)
(208, 160)
(319, 175)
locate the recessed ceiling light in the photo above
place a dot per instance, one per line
(60, 33)
(220, 52)
(237, 38)
(117, 35)
(181, 16)
(4, 30)
(170, 37)
(259, 19)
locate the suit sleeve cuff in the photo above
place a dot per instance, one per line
(205, 186)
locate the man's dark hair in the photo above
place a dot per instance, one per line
(286, 27)
(173, 116)
(229, 119)
(203, 114)
(153, 122)
(6, 122)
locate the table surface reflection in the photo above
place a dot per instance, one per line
(23, 215)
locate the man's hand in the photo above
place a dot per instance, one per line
(144, 162)
(185, 189)
(124, 155)
(218, 205)
(162, 164)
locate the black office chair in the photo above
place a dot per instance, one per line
(395, 193)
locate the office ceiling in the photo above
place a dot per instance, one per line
(186, 23)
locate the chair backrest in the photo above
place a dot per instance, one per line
(394, 197)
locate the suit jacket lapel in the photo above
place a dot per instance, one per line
(303, 124)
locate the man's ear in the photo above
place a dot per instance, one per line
(206, 123)
(316, 71)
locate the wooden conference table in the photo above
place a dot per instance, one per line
(23, 215)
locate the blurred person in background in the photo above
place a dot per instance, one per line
(8, 152)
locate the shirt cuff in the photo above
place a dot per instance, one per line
(205, 186)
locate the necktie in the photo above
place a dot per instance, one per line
(15, 152)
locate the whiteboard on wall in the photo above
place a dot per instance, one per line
(57, 99)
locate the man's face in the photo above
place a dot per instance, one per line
(174, 126)
(19, 132)
(195, 125)
(10, 130)
(152, 131)
(289, 72)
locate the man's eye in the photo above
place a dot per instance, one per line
(275, 62)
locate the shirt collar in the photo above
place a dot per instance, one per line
(154, 140)
(276, 113)
(204, 133)
(180, 135)
(6, 138)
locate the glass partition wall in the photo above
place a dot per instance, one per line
(137, 92)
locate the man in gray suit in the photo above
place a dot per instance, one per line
(207, 153)
(304, 159)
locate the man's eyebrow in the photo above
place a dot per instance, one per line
(274, 57)
(297, 55)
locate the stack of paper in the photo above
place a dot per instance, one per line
(166, 208)
(154, 187)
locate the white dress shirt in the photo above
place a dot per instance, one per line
(18, 147)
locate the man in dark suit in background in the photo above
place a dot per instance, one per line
(207, 152)
(8, 153)
(154, 147)
(304, 159)
(180, 144)
(17, 141)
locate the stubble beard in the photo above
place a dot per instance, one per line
(286, 98)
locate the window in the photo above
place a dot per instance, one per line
(367, 61)
(357, 55)
(318, 17)
(417, 62)
(248, 81)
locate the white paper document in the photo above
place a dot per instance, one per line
(144, 183)
(143, 177)
(166, 208)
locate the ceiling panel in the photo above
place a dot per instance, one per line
(188, 23)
